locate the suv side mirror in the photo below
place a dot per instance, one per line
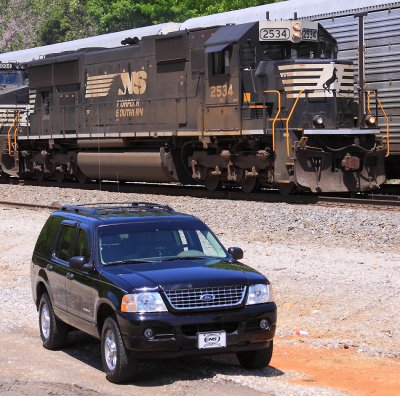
(236, 252)
(78, 263)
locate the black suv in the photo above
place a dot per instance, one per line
(149, 282)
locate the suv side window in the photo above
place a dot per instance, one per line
(82, 245)
(45, 242)
(66, 242)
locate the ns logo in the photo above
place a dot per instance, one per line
(133, 83)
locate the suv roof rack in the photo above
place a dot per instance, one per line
(107, 207)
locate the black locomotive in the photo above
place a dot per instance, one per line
(257, 104)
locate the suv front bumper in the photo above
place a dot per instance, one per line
(176, 333)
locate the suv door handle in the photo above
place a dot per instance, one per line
(49, 267)
(70, 275)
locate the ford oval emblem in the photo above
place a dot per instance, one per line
(207, 297)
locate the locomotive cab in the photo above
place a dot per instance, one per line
(305, 98)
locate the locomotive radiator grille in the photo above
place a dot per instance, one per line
(207, 297)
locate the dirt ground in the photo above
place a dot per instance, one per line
(26, 368)
(301, 364)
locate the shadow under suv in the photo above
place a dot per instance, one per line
(149, 283)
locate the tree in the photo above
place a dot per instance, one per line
(68, 20)
(115, 15)
(18, 21)
(28, 23)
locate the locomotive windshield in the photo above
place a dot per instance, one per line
(303, 50)
(10, 78)
(251, 55)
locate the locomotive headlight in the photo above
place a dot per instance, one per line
(370, 120)
(297, 34)
(318, 121)
(296, 31)
(297, 26)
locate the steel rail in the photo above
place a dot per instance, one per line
(234, 194)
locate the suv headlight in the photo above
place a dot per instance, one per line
(143, 302)
(259, 294)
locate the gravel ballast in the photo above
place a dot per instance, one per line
(335, 271)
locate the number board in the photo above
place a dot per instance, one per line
(6, 66)
(288, 31)
(309, 34)
(274, 34)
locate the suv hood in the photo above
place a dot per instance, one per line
(182, 274)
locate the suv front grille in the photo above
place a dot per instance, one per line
(207, 297)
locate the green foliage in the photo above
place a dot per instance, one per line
(26, 23)
(115, 15)
(67, 20)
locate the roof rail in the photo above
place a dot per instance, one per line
(78, 209)
(94, 208)
(152, 205)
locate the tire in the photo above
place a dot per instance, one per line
(119, 365)
(256, 359)
(53, 331)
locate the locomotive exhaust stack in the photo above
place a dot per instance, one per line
(261, 104)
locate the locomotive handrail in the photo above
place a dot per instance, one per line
(16, 125)
(384, 114)
(16, 131)
(4, 118)
(276, 116)
(287, 125)
(387, 125)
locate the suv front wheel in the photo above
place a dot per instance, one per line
(256, 359)
(118, 363)
(53, 331)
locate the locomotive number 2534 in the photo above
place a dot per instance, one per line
(221, 91)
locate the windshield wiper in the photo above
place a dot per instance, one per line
(184, 258)
(131, 261)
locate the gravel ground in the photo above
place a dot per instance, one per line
(335, 273)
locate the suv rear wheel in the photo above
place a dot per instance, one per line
(118, 363)
(53, 331)
(256, 359)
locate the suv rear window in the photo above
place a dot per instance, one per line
(82, 245)
(44, 244)
(66, 242)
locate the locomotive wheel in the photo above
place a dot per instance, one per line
(39, 175)
(249, 184)
(59, 176)
(212, 183)
(286, 188)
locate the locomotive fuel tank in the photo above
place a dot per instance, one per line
(124, 166)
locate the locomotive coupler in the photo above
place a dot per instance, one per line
(316, 163)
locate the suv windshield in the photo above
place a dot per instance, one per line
(157, 241)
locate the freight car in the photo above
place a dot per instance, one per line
(257, 104)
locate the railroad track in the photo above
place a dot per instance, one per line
(381, 200)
